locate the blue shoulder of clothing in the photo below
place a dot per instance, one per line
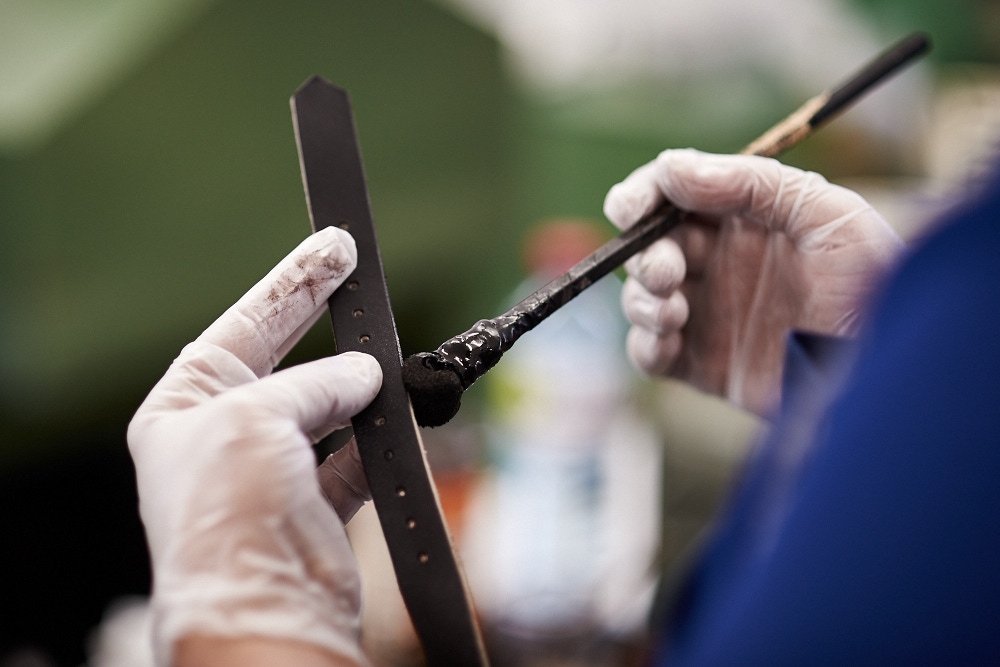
(866, 527)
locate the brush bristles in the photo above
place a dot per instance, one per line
(435, 392)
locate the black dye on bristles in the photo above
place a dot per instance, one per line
(435, 391)
(430, 376)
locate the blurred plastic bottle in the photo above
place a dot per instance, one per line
(552, 401)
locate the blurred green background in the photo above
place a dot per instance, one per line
(149, 175)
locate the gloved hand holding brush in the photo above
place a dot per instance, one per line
(766, 249)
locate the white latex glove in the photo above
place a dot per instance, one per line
(772, 248)
(243, 541)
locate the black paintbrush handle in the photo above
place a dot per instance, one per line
(893, 58)
(825, 106)
(469, 355)
(474, 352)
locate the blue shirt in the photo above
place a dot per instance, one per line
(866, 529)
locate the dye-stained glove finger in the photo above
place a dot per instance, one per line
(247, 341)
(256, 328)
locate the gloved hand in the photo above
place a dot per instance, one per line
(770, 248)
(243, 541)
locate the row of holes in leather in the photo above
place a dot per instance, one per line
(358, 313)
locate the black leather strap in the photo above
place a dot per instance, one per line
(428, 574)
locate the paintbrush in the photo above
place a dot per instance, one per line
(436, 380)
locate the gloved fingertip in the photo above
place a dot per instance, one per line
(365, 367)
(331, 236)
(632, 198)
(613, 205)
(340, 244)
(680, 164)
